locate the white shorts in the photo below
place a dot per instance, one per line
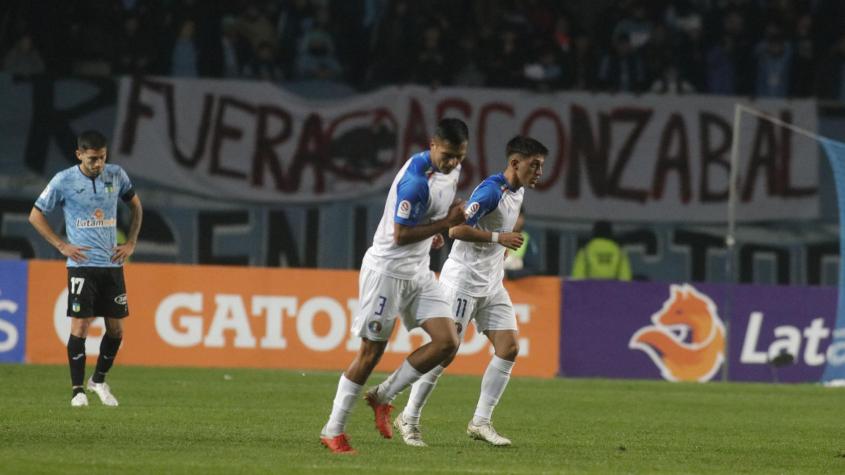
(493, 312)
(381, 298)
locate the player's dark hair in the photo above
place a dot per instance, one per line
(452, 130)
(526, 146)
(91, 140)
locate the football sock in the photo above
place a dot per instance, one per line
(108, 351)
(347, 393)
(419, 394)
(77, 390)
(493, 384)
(397, 382)
(76, 359)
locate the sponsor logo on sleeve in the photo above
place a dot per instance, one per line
(472, 209)
(404, 210)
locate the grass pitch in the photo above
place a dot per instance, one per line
(260, 421)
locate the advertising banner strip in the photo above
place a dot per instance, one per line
(677, 332)
(267, 318)
(652, 158)
(13, 307)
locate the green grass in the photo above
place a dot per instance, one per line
(259, 421)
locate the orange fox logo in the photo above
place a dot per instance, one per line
(687, 313)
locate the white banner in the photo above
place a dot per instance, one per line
(643, 158)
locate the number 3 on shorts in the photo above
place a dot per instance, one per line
(381, 302)
(76, 284)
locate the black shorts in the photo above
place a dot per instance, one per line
(96, 292)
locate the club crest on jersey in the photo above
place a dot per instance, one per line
(404, 210)
(472, 209)
(374, 326)
(109, 187)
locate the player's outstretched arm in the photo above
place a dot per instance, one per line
(471, 234)
(404, 235)
(40, 223)
(123, 251)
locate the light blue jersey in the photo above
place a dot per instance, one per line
(90, 209)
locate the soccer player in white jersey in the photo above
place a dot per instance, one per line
(395, 279)
(472, 279)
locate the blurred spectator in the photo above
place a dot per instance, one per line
(622, 69)
(256, 28)
(183, 57)
(293, 22)
(263, 66)
(505, 68)
(832, 71)
(602, 257)
(430, 65)
(635, 25)
(524, 261)
(804, 66)
(235, 52)
(721, 72)
(465, 63)
(134, 53)
(393, 40)
(670, 82)
(774, 60)
(23, 59)
(545, 74)
(316, 58)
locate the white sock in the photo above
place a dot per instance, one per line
(419, 394)
(493, 384)
(347, 393)
(403, 377)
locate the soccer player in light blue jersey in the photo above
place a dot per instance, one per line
(396, 280)
(88, 194)
(472, 279)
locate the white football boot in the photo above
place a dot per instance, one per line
(411, 433)
(79, 400)
(103, 391)
(487, 433)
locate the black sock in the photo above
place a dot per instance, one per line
(77, 390)
(108, 351)
(76, 359)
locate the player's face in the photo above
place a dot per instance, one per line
(530, 169)
(446, 156)
(92, 161)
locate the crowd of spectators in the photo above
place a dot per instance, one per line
(764, 48)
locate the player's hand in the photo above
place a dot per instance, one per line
(437, 242)
(75, 253)
(122, 252)
(456, 213)
(511, 240)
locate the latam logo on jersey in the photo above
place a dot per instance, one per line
(97, 220)
(687, 339)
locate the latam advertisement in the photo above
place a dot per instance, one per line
(686, 332)
(266, 318)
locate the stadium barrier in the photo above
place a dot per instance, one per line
(681, 332)
(216, 316)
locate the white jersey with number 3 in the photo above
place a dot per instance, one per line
(419, 195)
(477, 268)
